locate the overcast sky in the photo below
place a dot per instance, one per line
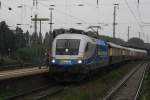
(67, 14)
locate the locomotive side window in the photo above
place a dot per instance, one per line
(102, 51)
(67, 46)
(89, 50)
(87, 47)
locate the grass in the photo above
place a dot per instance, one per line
(6, 93)
(94, 89)
(7, 61)
(146, 89)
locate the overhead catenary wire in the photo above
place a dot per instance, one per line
(92, 7)
(19, 5)
(23, 11)
(138, 10)
(139, 24)
(6, 9)
(79, 19)
(67, 14)
(74, 17)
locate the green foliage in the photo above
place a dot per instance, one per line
(48, 40)
(7, 60)
(34, 39)
(6, 39)
(27, 39)
(34, 54)
(20, 46)
(20, 38)
(40, 39)
(136, 42)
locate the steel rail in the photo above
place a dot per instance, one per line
(50, 94)
(141, 84)
(122, 82)
(24, 94)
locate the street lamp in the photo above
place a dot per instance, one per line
(51, 19)
(114, 19)
(79, 23)
(80, 5)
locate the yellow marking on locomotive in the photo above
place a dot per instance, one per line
(110, 52)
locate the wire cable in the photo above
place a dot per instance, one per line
(74, 17)
(139, 24)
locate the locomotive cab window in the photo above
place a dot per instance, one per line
(67, 46)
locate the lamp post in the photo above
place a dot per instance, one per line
(51, 17)
(129, 32)
(114, 20)
(80, 5)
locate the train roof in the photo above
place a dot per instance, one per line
(116, 46)
(121, 47)
(73, 36)
(138, 50)
(80, 36)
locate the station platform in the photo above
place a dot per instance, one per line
(22, 72)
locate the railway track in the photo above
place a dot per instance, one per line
(137, 74)
(129, 87)
(38, 93)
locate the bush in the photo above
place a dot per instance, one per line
(34, 55)
(7, 61)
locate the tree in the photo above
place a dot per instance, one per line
(27, 38)
(40, 39)
(20, 39)
(47, 40)
(136, 42)
(7, 39)
(34, 39)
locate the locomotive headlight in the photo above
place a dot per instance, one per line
(79, 61)
(53, 61)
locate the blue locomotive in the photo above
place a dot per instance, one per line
(79, 54)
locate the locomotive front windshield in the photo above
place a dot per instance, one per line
(67, 46)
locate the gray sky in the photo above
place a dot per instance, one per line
(67, 13)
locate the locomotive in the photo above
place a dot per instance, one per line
(78, 54)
